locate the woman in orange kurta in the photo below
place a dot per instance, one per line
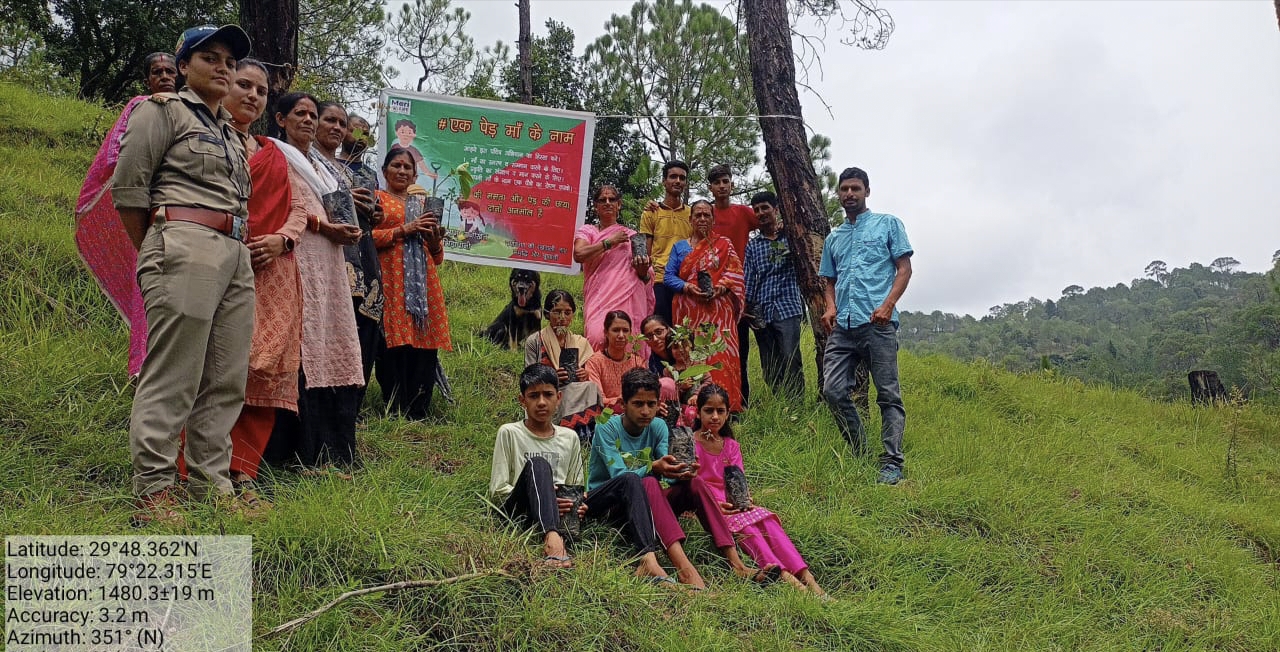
(414, 320)
(606, 366)
(706, 251)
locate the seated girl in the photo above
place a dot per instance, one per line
(566, 352)
(758, 529)
(606, 367)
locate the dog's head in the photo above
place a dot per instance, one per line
(524, 288)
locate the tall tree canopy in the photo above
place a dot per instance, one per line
(674, 58)
(431, 35)
(340, 49)
(102, 43)
(788, 156)
(562, 80)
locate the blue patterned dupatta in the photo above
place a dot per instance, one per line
(415, 266)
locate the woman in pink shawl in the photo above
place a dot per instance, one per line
(104, 246)
(614, 277)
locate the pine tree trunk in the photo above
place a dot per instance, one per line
(525, 45)
(272, 26)
(773, 76)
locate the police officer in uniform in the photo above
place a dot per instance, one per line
(181, 187)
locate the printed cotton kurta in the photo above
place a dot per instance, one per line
(606, 373)
(330, 348)
(275, 352)
(397, 323)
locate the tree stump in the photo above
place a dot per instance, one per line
(1206, 388)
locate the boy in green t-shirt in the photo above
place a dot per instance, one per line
(531, 458)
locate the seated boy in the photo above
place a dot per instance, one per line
(629, 433)
(531, 458)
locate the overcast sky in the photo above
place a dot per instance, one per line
(1030, 146)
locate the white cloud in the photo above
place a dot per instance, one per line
(1031, 146)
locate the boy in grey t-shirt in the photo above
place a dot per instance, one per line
(531, 458)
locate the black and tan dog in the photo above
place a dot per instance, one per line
(522, 316)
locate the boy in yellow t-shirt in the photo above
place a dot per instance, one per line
(663, 227)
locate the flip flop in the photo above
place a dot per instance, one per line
(767, 575)
(557, 561)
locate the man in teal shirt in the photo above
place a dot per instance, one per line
(867, 263)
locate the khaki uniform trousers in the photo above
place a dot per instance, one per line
(197, 287)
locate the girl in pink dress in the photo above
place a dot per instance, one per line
(758, 530)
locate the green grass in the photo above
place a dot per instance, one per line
(1037, 513)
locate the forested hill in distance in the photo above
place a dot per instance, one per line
(1146, 335)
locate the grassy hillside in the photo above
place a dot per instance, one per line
(1037, 513)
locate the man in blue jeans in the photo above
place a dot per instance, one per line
(867, 263)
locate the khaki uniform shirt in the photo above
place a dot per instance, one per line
(172, 156)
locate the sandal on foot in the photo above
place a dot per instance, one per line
(660, 580)
(767, 575)
(557, 561)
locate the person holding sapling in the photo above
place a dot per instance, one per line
(535, 462)
(773, 296)
(758, 529)
(565, 351)
(628, 454)
(628, 443)
(606, 367)
(415, 320)
(867, 263)
(616, 276)
(706, 274)
(664, 353)
(323, 432)
(355, 203)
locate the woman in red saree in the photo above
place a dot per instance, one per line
(707, 252)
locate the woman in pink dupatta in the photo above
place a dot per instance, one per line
(706, 251)
(103, 244)
(100, 236)
(612, 279)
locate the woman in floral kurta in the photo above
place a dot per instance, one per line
(407, 366)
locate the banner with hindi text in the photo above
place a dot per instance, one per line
(528, 166)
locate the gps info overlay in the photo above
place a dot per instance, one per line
(120, 593)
